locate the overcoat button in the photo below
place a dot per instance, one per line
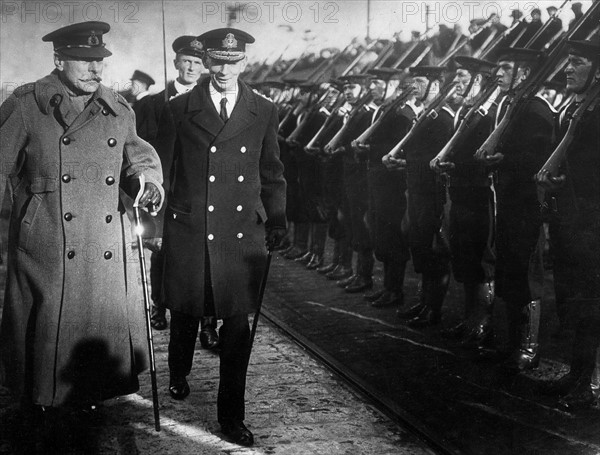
(211, 208)
(68, 216)
(108, 218)
(211, 178)
(241, 178)
(211, 237)
(54, 100)
(110, 180)
(243, 150)
(66, 140)
(107, 255)
(239, 208)
(71, 254)
(112, 142)
(66, 178)
(240, 235)
(213, 149)
(105, 112)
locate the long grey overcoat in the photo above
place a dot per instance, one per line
(226, 185)
(73, 323)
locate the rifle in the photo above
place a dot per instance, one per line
(543, 28)
(387, 109)
(529, 88)
(335, 142)
(471, 119)
(431, 112)
(554, 162)
(330, 117)
(272, 67)
(358, 58)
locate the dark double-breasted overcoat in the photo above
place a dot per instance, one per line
(73, 319)
(227, 185)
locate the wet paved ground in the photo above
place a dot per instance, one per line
(294, 406)
(474, 406)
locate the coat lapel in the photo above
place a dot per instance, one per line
(202, 111)
(243, 115)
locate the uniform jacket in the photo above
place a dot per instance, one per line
(73, 312)
(227, 185)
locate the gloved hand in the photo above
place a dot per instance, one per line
(150, 198)
(274, 237)
(154, 244)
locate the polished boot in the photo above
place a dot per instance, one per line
(304, 259)
(459, 331)
(158, 317)
(335, 259)
(178, 388)
(410, 313)
(479, 333)
(340, 272)
(346, 281)
(209, 338)
(371, 297)
(294, 253)
(360, 284)
(315, 262)
(434, 292)
(389, 299)
(237, 432)
(580, 396)
(527, 356)
(324, 269)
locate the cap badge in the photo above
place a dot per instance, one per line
(196, 45)
(230, 42)
(93, 39)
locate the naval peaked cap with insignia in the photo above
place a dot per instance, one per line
(188, 45)
(81, 40)
(227, 44)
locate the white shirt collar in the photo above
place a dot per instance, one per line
(216, 96)
(181, 89)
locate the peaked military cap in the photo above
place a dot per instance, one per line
(583, 48)
(81, 40)
(475, 65)
(430, 72)
(188, 45)
(142, 77)
(360, 79)
(385, 74)
(228, 44)
(518, 54)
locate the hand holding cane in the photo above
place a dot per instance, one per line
(142, 198)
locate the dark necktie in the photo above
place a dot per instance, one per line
(223, 112)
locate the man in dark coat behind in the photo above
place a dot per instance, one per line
(227, 189)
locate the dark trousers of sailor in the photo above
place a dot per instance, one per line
(234, 343)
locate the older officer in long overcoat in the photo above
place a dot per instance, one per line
(72, 328)
(227, 186)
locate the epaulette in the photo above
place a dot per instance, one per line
(262, 95)
(24, 89)
(121, 99)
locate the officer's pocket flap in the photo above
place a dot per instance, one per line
(262, 215)
(43, 185)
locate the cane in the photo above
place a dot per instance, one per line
(261, 294)
(138, 232)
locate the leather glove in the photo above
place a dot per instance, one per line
(150, 198)
(154, 244)
(274, 237)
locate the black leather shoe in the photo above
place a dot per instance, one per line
(305, 258)
(426, 318)
(360, 284)
(158, 319)
(209, 338)
(389, 299)
(326, 268)
(286, 250)
(294, 253)
(371, 297)
(339, 273)
(412, 312)
(179, 388)
(237, 433)
(346, 281)
(455, 333)
(316, 261)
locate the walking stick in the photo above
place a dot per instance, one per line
(261, 293)
(140, 244)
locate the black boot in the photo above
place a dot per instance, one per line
(158, 317)
(434, 292)
(459, 331)
(209, 338)
(480, 331)
(527, 357)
